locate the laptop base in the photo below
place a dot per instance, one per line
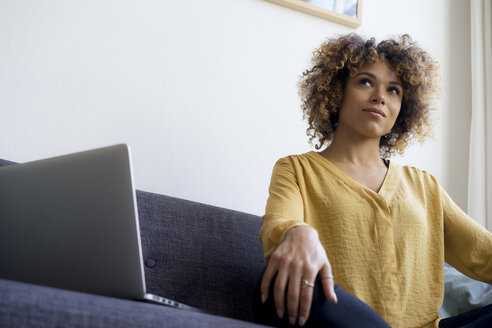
(151, 298)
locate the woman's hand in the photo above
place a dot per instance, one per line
(300, 256)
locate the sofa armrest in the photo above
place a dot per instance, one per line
(4, 162)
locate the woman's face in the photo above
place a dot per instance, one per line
(371, 101)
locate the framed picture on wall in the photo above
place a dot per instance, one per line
(346, 12)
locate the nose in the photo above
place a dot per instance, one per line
(378, 96)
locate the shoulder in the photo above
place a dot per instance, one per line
(415, 175)
(305, 162)
(299, 158)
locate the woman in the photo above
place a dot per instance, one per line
(348, 215)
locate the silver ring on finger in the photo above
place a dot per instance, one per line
(305, 283)
(326, 276)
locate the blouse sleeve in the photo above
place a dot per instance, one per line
(468, 246)
(284, 209)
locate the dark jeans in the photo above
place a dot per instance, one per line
(348, 312)
(351, 312)
(476, 318)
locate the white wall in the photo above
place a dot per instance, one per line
(203, 91)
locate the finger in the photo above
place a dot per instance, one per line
(279, 291)
(305, 300)
(328, 283)
(268, 275)
(293, 292)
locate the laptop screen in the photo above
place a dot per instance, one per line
(71, 222)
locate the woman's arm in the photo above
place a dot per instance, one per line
(292, 248)
(468, 245)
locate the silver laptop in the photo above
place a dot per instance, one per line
(71, 222)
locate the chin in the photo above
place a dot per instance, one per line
(373, 132)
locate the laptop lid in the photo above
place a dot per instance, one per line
(71, 222)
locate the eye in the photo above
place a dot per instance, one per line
(394, 90)
(365, 81)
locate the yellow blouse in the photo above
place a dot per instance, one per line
(386, 248)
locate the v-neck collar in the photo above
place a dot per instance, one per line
(388, 186)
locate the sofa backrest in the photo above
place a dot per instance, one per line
(205, 256)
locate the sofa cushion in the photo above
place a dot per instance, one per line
(205, 256)
(26, 305)
(462, 293)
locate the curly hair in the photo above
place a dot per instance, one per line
(321, 88)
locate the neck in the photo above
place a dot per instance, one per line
(352, 149)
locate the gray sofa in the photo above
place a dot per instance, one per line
(198, 254)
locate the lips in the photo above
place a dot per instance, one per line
(375, 111)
